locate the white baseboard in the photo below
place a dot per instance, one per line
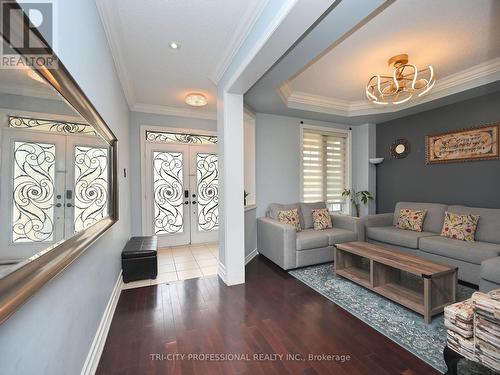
(250, 256)
(222, 272)
(92, 361)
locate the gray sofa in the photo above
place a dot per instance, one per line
(290, 249)
(478, 262)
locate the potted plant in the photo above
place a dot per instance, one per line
(357, 197)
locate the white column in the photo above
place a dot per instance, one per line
(231, 181)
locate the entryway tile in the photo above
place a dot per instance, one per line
(209, 271)
(207, 262)
(165, 278)
(186, 266)
(136, 284)
(163, 268)
(189, 274)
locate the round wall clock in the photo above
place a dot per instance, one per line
(400, 148)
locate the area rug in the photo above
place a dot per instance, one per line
(401, 325)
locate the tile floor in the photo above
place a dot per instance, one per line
(181, 263)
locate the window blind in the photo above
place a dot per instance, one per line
(324, 170)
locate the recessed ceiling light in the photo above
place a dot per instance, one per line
(174, 45)
(196, 100)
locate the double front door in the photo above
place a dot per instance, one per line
(182, 193)
(52, 186)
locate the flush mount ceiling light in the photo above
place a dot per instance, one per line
(405, 83)
(196, 100)
(174, 45)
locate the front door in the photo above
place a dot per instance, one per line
(53, 185)
(181, 193)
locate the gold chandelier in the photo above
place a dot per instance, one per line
(405, 83)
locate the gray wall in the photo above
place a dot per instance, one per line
(277, 166)
(52, 333)
(469, 183)
(137, 119)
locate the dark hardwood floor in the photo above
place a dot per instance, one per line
(273, 313)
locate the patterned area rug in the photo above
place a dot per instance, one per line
(398, 323)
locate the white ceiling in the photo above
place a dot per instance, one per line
(451, 35)
(156, 78)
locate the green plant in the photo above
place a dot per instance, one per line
(357, 197)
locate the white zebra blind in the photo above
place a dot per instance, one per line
(324, 166)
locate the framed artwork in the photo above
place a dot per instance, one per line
(479, 143)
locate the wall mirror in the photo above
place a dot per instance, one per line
(58, 174)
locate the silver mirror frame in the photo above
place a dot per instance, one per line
(32, 274)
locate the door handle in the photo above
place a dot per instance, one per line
(193, 202)
(186, 202)
(69, 205)
(58, 204)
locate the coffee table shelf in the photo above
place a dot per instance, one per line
(378, 268)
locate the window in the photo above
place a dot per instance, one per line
(324, 167)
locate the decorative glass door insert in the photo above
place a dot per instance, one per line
(33, 192)
(168, 190)
(207, 181)
(90, 186)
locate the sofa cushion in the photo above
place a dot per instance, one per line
(290, 217)
(311, 239)
(307, 209)
(337, 235)
(411, 219)
(396, 236)
(433, 219)
(488, 225)
(472, 252)
(460, 226)
(322, 219)
(490, 270)
(275, 208)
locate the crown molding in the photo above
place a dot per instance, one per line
(111, 22)
(45, 92)
(173, 111)
(244, 28)
(466, 79)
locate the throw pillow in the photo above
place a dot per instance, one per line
(460, 227)
(321, 219)
(411, 219)
(290, 217)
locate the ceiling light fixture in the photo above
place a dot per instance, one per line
(196, 100)
(405, 83)
(174, 45)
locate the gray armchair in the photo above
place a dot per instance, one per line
(290, 249)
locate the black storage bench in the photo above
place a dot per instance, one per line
(139, 259)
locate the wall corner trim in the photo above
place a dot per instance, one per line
(94, 355)
(222, 272)
(250, 256)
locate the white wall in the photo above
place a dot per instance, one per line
(137, 119)
(364, 173)
(278, 159)
(53, 331)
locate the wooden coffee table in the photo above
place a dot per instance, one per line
(382, 275)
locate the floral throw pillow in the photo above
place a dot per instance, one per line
(411, 219)
(290, 217)
(321, 219)
(460, 227)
